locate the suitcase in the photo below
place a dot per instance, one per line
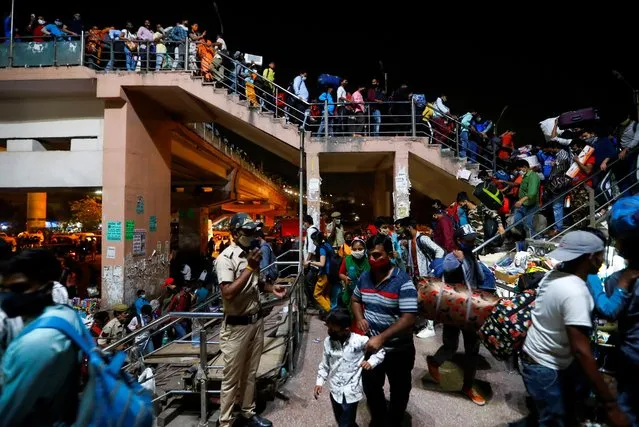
(504, 331)
(328, 80)
(488, 193)
(578, 117)
(455, 304)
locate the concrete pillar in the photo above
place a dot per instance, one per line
(381, 195)
(136, 198)
(36, 211)
(313, 187)
(193, 234)
(401, 185)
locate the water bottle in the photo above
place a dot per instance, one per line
(195, 333)
(165, 338)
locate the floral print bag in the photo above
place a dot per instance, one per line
(504, 332)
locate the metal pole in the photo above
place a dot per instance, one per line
(457, 139)
(275, 103)
(636, 96)
(591, 205)
(148, 54)
(203, 378)
(11, 35)
(386, 83)
(301, 198)
(325, 119)
(186, 54)
(82, 48)
(412, 117)
(494, 155)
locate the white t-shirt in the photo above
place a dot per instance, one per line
(341, 95)
(309, 246)
(562, 300)
(186, 271)
(59, 293)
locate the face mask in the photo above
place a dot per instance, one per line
(384, 231)
(303, 77)
(26, 304)
(247, 242)
(591, 140)
(41, 21)
(358, 254)
(379, 266)
(338, 221)
(143, 296)
(338, 336)
(521, 173)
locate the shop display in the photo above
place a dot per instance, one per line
(86, 306)
(455, 304)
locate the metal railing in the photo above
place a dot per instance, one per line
(590, 204)
(208, 134)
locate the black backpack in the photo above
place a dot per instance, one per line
(428, 252)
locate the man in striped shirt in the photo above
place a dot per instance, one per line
(385, 305)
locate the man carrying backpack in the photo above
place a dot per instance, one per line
(423, 254)
(41, 366)
(268, 268)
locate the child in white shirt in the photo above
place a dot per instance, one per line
(343, 361)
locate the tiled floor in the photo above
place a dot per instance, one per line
(430, 404)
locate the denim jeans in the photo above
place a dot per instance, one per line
(528, 212)
(554, 392)
(180, 331)
(322, 126)
(467, 147)
(130, 63)
(159, 59)
(558, 213)
(345, 413)
(377, 122)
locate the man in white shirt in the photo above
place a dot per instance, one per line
(341, 106)
(441, 109)
(559, 335)
(301, 92)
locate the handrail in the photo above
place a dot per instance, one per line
(153, 324)
(563, 195)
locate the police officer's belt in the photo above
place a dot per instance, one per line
(243, 320)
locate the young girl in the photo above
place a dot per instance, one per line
(352, 267)
(343, 361)
(323, 285)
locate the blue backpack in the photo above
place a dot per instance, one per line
(624, 217)
(111, 397)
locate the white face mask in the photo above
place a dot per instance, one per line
(41, 21)
(338, 221)
(303, 77)
(358, 254)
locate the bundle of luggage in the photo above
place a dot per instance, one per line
(455, 304)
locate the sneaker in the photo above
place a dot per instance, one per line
(426, 332)
(473, 395)
(433, 369)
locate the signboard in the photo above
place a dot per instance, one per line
(114, 230)
(110, 254)
(153, 223)
(128, 233)
(139, 242)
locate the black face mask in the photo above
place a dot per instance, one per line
(26, 304)
(337, 336)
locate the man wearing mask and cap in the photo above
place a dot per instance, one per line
(335, 231)
(461, 266)
(40, 366)
(114, 330)
(242, 334)
(557, 352)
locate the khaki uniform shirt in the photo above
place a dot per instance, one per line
(229, 266)
(112, 332)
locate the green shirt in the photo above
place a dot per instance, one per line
(530, 187)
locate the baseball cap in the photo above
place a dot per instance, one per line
(575, 244)
(466, 232)
(242, 220)
(168, 282)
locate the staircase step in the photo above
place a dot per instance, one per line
(268, 113)
(208, 83)
(219, 90)
(244, 102)
(447, 152)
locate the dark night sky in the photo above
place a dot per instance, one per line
(537, 59)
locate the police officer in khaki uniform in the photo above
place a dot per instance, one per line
(242, 335)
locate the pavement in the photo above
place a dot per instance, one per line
(430, 404)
